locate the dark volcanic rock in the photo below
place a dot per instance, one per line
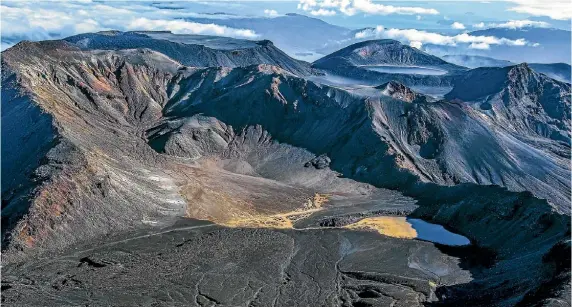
(401, 92)
(269, 267)
(319, 162)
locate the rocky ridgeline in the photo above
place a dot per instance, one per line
(400, 92)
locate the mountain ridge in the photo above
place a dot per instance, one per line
(144, 141)
(557, 71)
(195, 53)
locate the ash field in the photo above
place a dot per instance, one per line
(156, 169)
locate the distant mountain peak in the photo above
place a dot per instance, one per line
(109, 32)
(384, 52)
(295, 15)
(383, 41)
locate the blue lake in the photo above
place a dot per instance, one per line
(436, 233)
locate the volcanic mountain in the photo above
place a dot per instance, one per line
(125, 164)
(385, 51)
(376, 62)
(194, 50)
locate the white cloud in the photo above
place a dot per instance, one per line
(271, 13)
(352, 7)
(41, 20)
(515, 24)
(419, 17)
(555, 9)
(88, 25)
(458, 26)
(482, 46)
(323, 12)
(418, 37)
(416, 44)
(187, 27)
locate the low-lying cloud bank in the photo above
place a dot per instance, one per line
(513, 24)
(187, 27)
(42, 20)
(352, 7)
(271, 13)
(516, 24)
(458, 26)
(417, 38)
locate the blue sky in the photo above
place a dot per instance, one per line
(467, 12)
(39, 20)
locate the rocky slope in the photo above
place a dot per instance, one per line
(511, 130)
(443, 142)
(129, 141)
